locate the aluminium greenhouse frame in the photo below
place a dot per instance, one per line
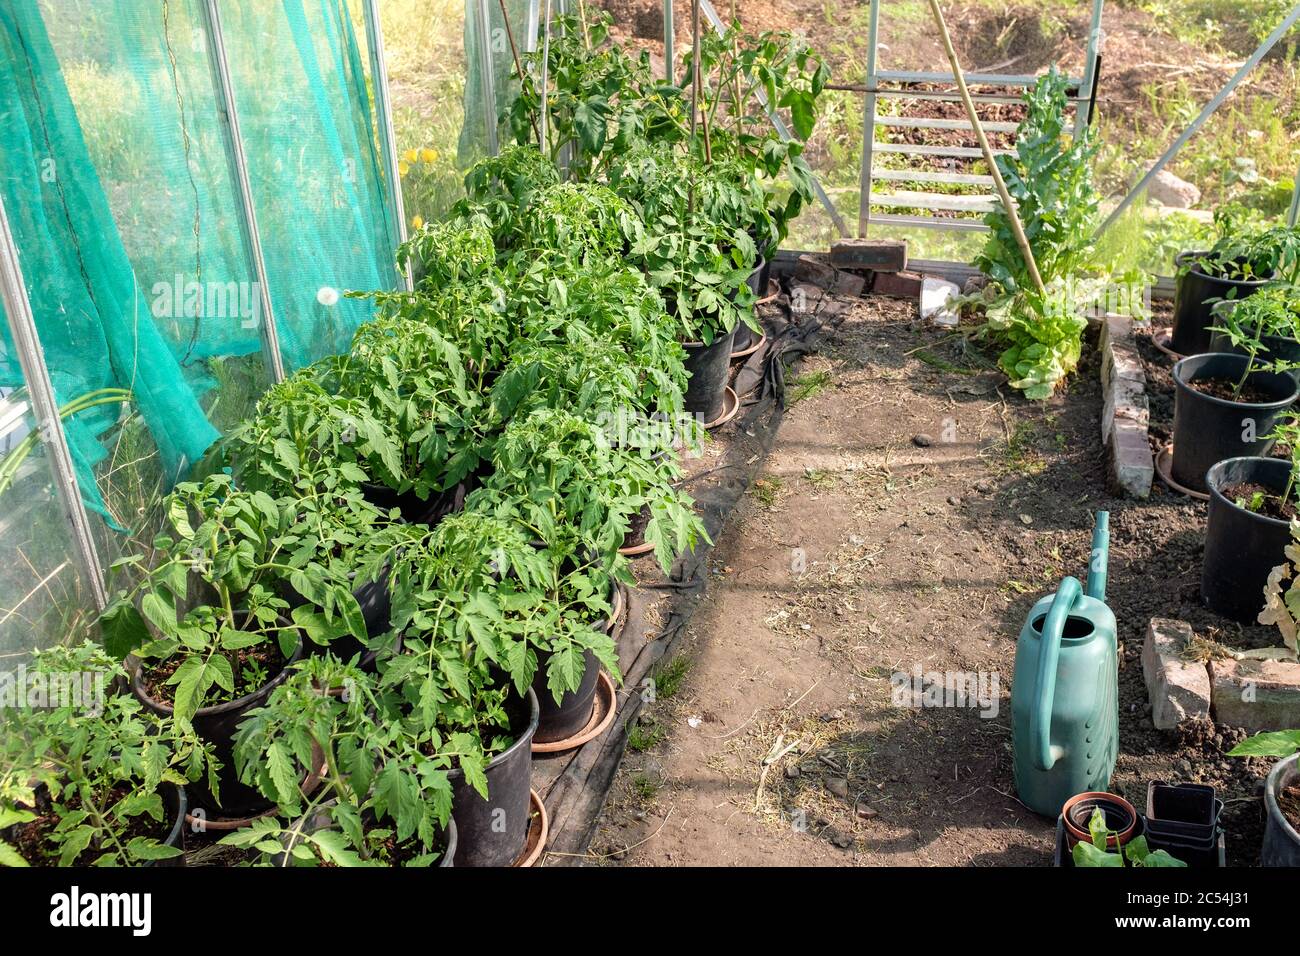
(21, 320)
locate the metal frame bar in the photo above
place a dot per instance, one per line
(45, 409)
(239, 162)
(782, 130)
(1210, 108)
(384, 119)
(1089, 68)
(488, 75)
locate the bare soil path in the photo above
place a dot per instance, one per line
(862, 552)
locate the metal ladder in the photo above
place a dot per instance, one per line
(902, 84)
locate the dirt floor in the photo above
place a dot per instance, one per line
(912, 510)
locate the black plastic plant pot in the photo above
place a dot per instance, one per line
(177, 803)
(413, 508)
(563, 720)
(1288, 350)
(1208, 429)
(1192, 803)
(1242, 547)
(756, 281)
(1281, 841)
(217, 725)
(1195, 295)
(708, 367)
(494, 832)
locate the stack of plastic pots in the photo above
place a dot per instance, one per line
(1183, 820)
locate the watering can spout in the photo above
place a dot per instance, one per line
(1100, 557)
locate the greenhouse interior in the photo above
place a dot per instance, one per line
(649, 433)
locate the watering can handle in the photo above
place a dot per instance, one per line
(1049, 653)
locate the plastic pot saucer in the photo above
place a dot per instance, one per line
(539, 828)
(754, 346)
(730, 409)
(602, 715)
(1164, 465)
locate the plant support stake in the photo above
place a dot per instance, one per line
(1010, 207)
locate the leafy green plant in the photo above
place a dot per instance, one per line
(304, 436)
(1050, 178)
(1272, 312)
(502, 187)
(457, 251)
(82, 781)
(384, 797)
(1277, 743)
(1247, 249)
(580, 222)
(1136, 852)
(227, 549)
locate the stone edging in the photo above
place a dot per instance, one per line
(1125, 412)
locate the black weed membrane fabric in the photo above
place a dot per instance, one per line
(574, 784)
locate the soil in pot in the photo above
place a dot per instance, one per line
(1194, 298)
(1270, 504)
(1241, 546)
(1208, 428)
(1288, 801)
(29, 839)
(709, 367)
(494, 832)
(635, 536)
(217, 723)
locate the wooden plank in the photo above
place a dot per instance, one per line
(929, 176)
(954, 152)
(936, 201)
(925, 122)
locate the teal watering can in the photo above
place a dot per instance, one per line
(1065, 691)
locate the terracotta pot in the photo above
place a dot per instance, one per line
(1121, 817)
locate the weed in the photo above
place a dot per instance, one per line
(668, 679)
(806, 386)
(767, 489)
(644, 787)
(641, 737)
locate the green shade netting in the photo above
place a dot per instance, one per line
(116, 171)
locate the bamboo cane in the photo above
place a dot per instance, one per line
(1007, 204)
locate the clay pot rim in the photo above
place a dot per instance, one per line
(1113, 840)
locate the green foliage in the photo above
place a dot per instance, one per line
(97, 762)
(1050, 179)
(1278, 743)
(1272, 312)
(1136, 852)
(1248, 249)
(384, 796)
(227, 545)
